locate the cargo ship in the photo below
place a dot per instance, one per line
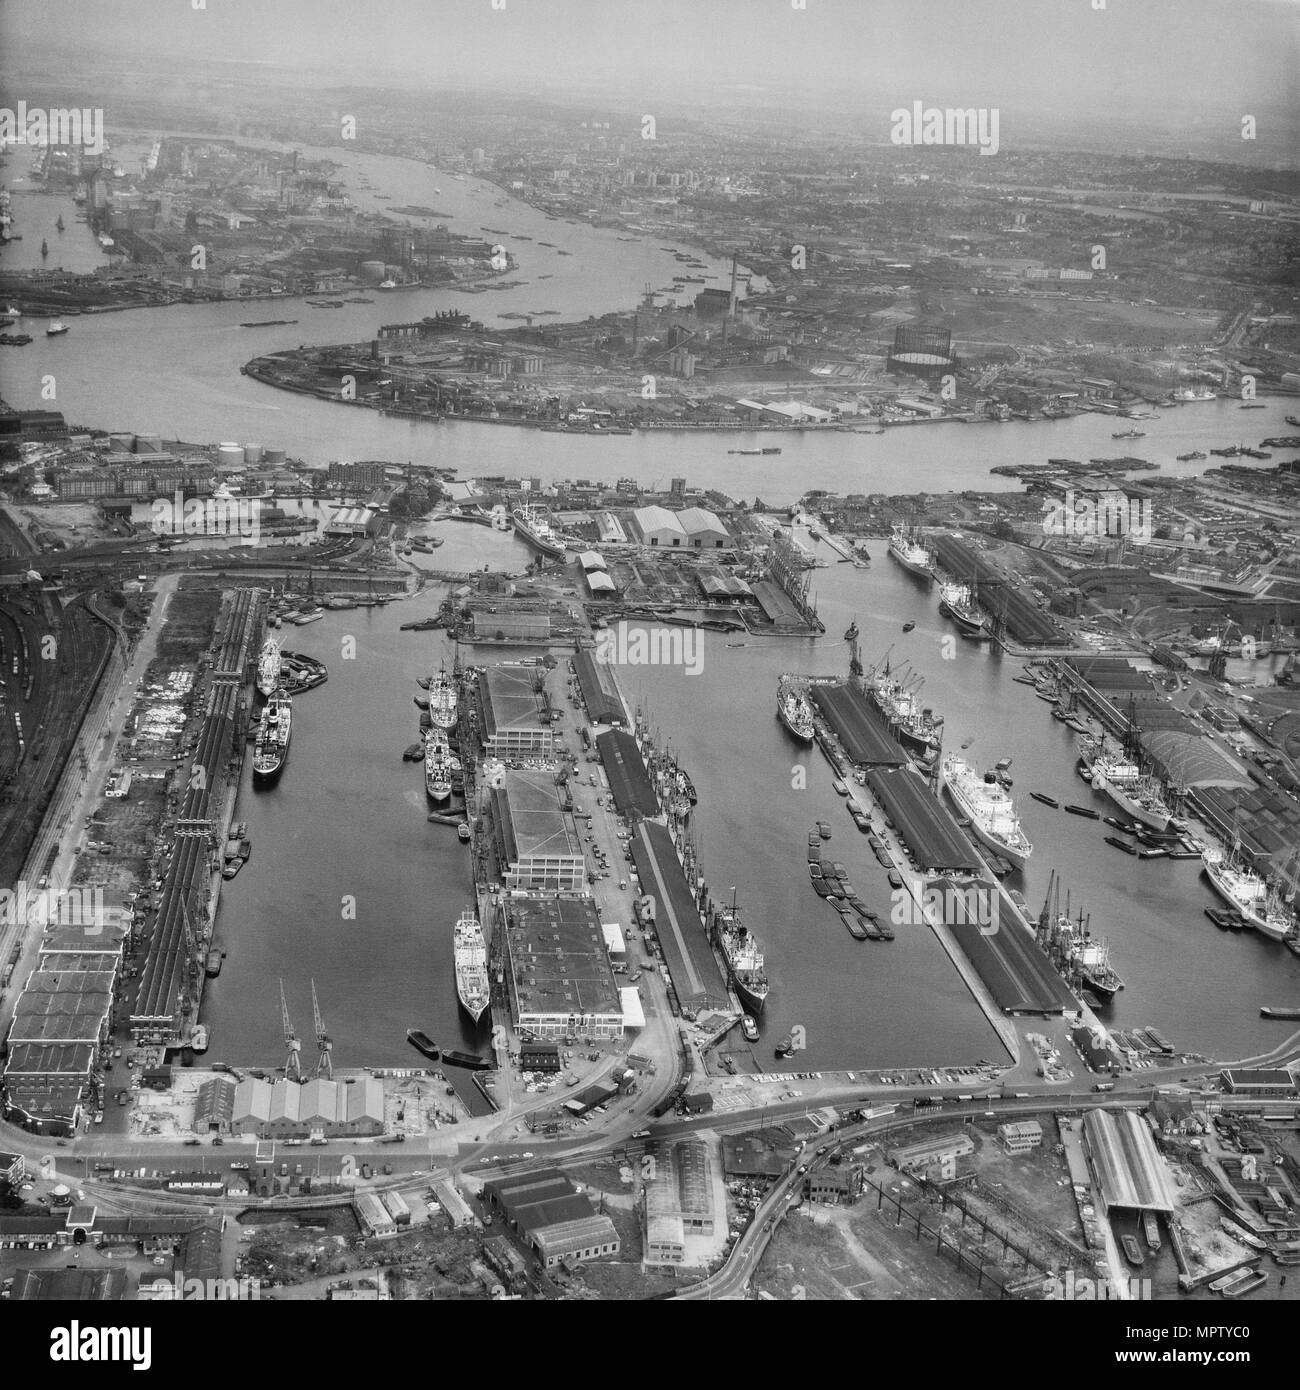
(1119, 777)
(471, 965)
(271, 750)
(794, 711)
(443, 700)
(991, 810)
(536, 530)
(268, 668)
(439, 766)
(911, 554)
(915, 728)
(1284, 1011)
(1082, 959)
(957, 601)
(744, 959)
(1186, 396)
(1248, 893)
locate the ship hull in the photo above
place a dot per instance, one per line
(752, 999)
(1153, 820)
(967, 625)
(919, 569)
(1252, 913)
(526, 533)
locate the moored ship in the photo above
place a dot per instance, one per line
(744, 959)
(443, 700)
(439, 767)
(915, 728)
(795, 713)
(536, 530)
(988, 805)
(471, 965)
(911, 554)
(1082, 959)
(957, 601)
(1248, 893)
(271, 750)
(1119, 777)
(268, 668)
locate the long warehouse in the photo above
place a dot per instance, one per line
(1001, 598)
(858, 725)
(1009, 961)
(633, 793)
(923, 822)
(695, 972)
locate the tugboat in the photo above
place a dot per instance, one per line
(851, 632)
(749, 1028)
(56, 328)
(45, 249)
(59, 223)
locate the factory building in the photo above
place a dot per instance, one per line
(678, 1200)
(299, 1110)
(557, 970)
(61, 1020)
(941, 1154)
(514, 720)
(537, 847)
(372, 1215)
(556, 1220)
(1020, 1136)
(692, 528)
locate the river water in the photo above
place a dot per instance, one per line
(346, 823)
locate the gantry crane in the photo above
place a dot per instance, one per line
(325, 1058)
(292, 1047)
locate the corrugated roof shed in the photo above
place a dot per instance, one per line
(1129, 1169)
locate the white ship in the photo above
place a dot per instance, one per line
(471, 966)
(911, 554)
(443, 700)
(989, 806)
(439, 767)
(1248, 893)
(796, 714)
(1185, 395)
(268, 668)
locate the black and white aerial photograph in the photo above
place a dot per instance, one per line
(649, 651)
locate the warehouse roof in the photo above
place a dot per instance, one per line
(1129, 1169)
(628, 779)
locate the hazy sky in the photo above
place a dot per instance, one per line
(1159, 59)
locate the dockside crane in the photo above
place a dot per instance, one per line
(292, 1047)
(325, 1044)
